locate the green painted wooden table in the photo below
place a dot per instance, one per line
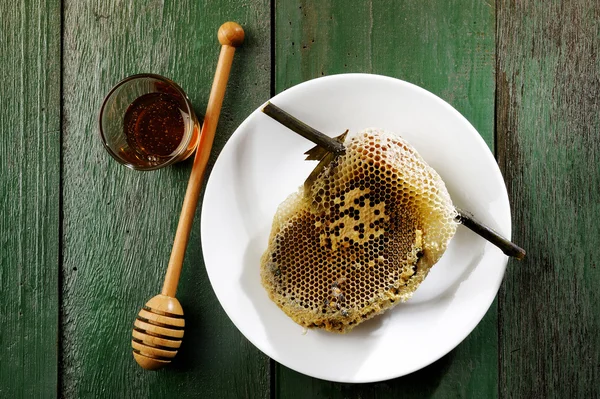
(85, 241)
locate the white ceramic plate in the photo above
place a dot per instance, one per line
(263, 163)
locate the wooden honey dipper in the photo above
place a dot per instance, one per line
(158, 328)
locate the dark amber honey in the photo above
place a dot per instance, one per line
(154, 124)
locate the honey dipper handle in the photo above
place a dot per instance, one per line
(231, 35)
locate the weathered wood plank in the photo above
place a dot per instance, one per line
(548, 124)
(119, 224)
(446, 47)
(29, 197)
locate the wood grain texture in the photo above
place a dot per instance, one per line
(29, 197)
(446, 47)
(119, 224)
(548, 84)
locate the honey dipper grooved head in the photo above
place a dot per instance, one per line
(157, 332)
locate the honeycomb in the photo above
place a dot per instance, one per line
(361, 237)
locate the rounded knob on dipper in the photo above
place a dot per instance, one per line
(157, 332)
(231, 34)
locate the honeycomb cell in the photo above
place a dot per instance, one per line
(361, 238)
